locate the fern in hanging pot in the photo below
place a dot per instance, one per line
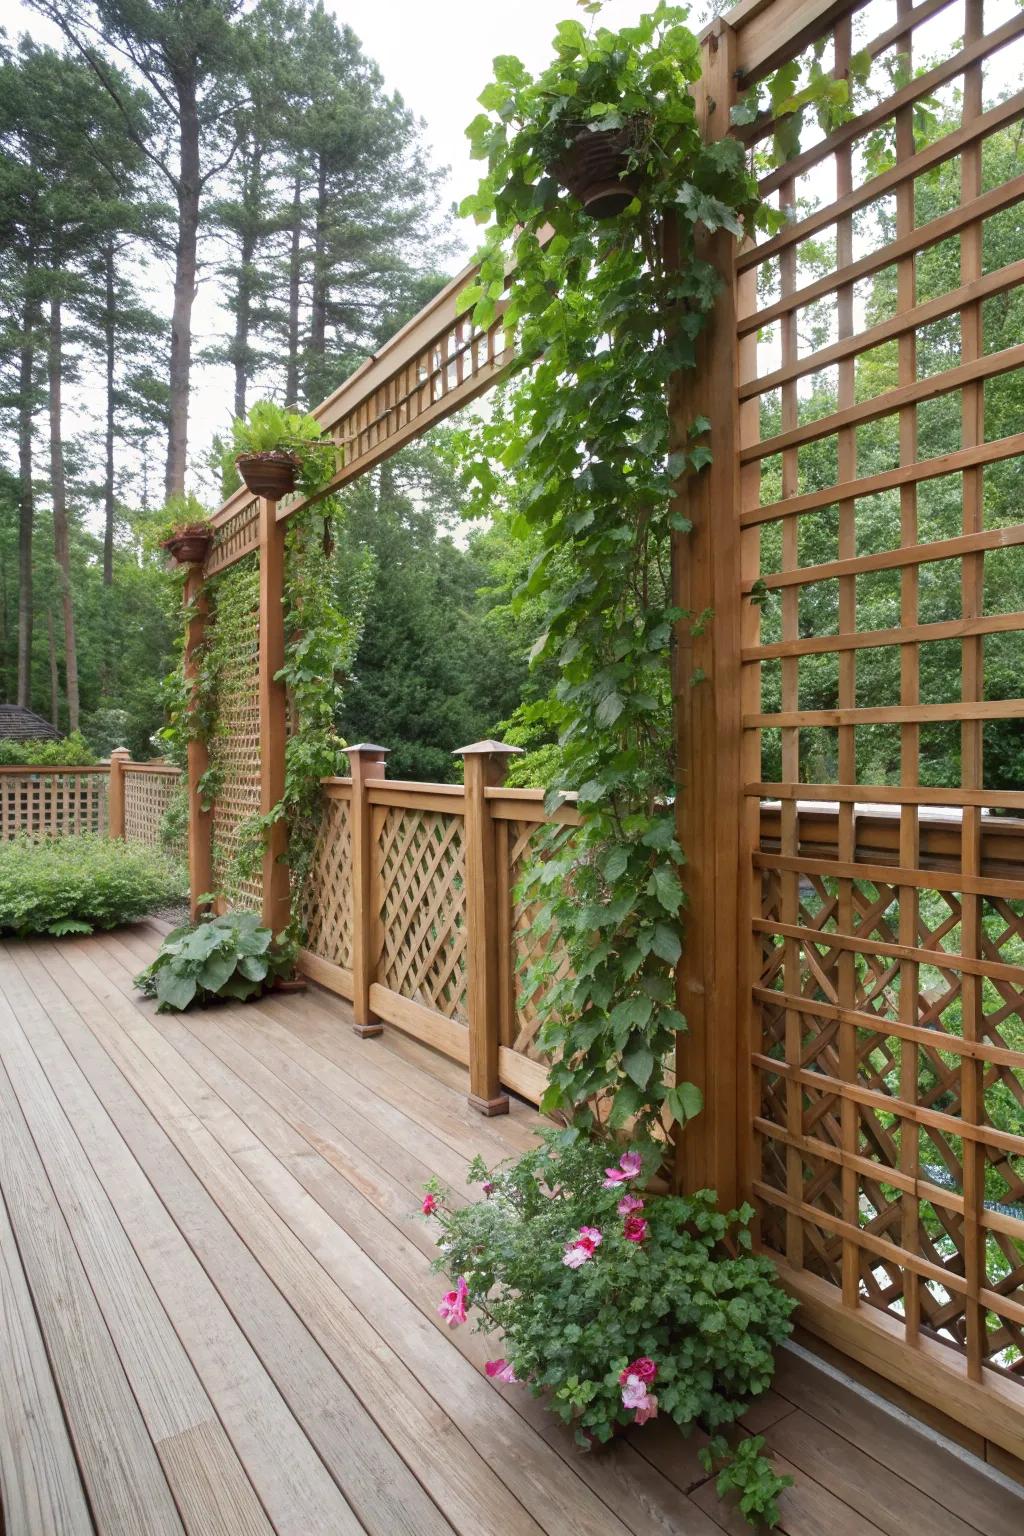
(277, 451)
(186, 531)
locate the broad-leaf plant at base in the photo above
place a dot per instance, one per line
(642, 1312)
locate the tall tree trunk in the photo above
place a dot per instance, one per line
(189, 184)
(108, 434)
(58, 492)
(26, 496)
(318, 308)
(54, 675)
(291, 383)
(244, 290)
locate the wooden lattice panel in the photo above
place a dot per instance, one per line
(880, 507)
(236, 536)
(327, 899)
(530, 951)
(147, 798)
(52, 802)
(422, 908)
(235, 757)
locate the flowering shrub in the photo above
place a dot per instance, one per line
(617, 1304)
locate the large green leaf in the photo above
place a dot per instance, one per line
(220, 965)
(175, 989)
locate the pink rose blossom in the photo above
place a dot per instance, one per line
(488, 1188)
(628, 1204)
(453, 1304)
(501, 1370)
(579, 1249)
(630, 1164)
(634, 1229)
(430, 1203)
(644, 1368)
(636, 1396)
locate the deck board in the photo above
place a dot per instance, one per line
(216, 1278)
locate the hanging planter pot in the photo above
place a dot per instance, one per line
(271, 474)
(596, 170)
(189, 546)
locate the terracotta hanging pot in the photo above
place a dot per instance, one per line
(271, 474)
(595, 169)
(189, 546)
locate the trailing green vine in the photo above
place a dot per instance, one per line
(604, 315)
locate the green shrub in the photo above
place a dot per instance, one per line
(228, 957)
(71, 751)
(75, 884)
(617, 1304)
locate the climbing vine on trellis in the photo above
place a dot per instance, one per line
(603, 315)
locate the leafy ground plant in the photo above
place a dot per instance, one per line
(618, 1305)
(77, 883)
(230, 956)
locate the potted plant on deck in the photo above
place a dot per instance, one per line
(187, 530)
(276, 450)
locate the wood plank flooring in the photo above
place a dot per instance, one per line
(217, 1313)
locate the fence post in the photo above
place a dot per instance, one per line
(706, 689)
(200, 821)
(485, 766)
(273, 702)
(366, 761)
(115, 791)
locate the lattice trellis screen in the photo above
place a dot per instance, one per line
(528, 949)
(421, 886)
(235, 758)
(880, 356)
(52, 802)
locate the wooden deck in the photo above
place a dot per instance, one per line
(217, 1314)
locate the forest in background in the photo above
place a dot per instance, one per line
(256, 148)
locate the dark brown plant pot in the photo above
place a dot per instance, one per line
(190, 547)
(595, 169)
(288, 984)
(270, 474)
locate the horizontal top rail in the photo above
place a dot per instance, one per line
(14, 769)
(168, 770)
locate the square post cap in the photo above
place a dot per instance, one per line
(368, 746)
(487, 749)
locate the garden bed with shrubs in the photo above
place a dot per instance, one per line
(78, 883)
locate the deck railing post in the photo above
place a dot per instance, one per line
(366, 761)
(485, 767)
(273, 700)
(115, 792)
(200, 820)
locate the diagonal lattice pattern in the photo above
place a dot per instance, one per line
(421, 881)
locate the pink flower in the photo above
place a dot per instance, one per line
(488, 1188)
(501, 1371)
(644, 1369)
(634, 1229)
(635, 1394)
(579, 1249)
(430, 1204)
(453, 1304)
(628, 1204)
(630, 1164)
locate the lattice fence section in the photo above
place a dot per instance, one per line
(421, 884)
(148, 796)
(532, 959)
(881, 399)
(235, 760)
(327, 900)
(52, 802)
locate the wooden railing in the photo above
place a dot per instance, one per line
(120, 798)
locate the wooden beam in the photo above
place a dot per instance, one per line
(200, 819)
(273, 716)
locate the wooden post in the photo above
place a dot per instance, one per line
(200, 821)
(273, 715)
(366, 761)
(485, 765)
(115, 792)
(709, 802)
